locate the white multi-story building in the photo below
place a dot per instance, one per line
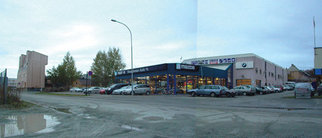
(245, 69)
(31, 73)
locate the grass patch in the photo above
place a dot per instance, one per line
(289, 97)
(58, 94)
(293, 97)
(17, 105)
(14, 101)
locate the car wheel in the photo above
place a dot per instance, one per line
(147, 93)
(193, 94)
(212, 94)
(228, 94)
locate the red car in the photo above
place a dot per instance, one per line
(102, 91)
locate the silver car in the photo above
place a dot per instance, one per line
(138, 89)
(244, 90)
(75, 89)
(93, 90)
(120, 91)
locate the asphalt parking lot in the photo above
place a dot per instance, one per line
(270, 115)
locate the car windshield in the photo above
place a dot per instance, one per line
(126, 87)
(202, 87)
(112, 86)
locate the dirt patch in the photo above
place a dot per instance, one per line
(153, 118)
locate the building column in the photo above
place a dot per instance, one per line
(167, 82)
(174, 84)
(197, 82)
(186, 84)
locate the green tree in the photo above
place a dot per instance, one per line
(65, 74)
(115, 61)
(104, 66)
(100, 69)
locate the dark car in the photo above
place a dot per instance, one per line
(319, 89)
(115, 87)
(261, 90)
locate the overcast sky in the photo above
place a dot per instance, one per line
(163, 30)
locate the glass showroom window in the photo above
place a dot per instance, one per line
(209, 81)
(201, 81)
(181, 84)
(141, 80)
(192, 82)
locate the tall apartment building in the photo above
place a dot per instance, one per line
(31, 73)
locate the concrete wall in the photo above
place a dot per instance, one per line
(31, 72)
(318, 58)
(243, 73)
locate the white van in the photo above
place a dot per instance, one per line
(303, 90)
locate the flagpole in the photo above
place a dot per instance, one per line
(314, 32)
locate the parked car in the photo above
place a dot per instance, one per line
(251, 88)
(102, 91)
(211, 90)
(277, 88)
(272, 89)
(138, 89)
(286, 87)
(120, 90)
(261, 90)
(244, 90)
(269, 89)
(228, 93)
(319, 89)
(303, 90)
(93, 90)
(291, 84)
(75, 89)
(115, 87)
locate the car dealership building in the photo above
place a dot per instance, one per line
(174, 77)
(247, 69)
(229, 71)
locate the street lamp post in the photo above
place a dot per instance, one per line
(131, 53)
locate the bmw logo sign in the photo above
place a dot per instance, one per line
(244, 65)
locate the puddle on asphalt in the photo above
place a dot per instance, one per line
(26, 124)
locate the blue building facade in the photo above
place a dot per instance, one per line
(175, 78)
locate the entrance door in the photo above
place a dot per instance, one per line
(258, 83)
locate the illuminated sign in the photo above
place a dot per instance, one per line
(213, 61)
(185, 67)
(245, 65)
(141, 70)
(318, 71)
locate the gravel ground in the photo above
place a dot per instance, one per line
(177, 116)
